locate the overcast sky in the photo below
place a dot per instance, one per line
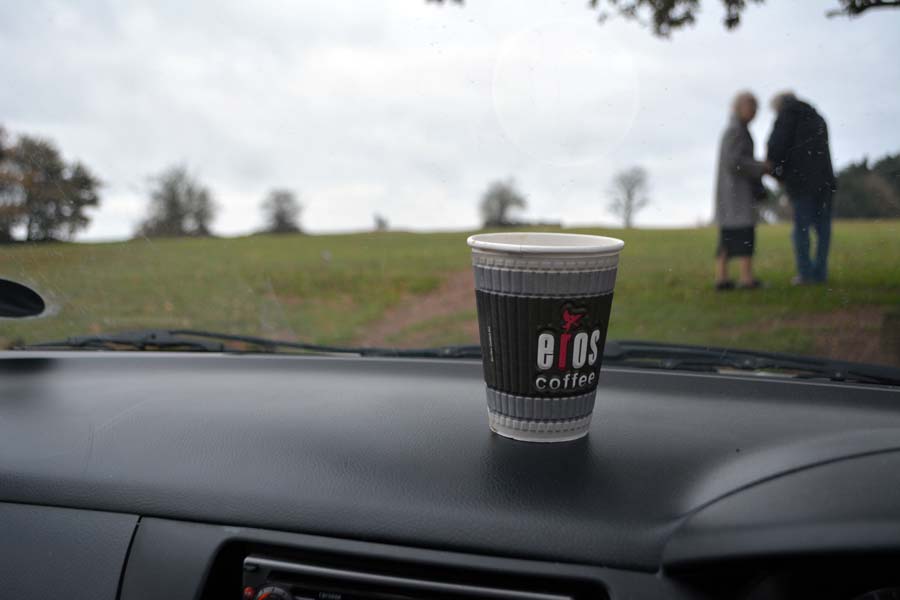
(410, 109)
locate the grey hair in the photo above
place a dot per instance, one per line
(741, 97)
(780, 98)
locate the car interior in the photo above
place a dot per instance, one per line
(449, 300)
(126, 475)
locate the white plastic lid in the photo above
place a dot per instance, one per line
(545, 243)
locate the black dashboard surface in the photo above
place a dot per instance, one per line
(51, 552)
(398, 451)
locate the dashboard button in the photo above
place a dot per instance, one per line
(273, 592)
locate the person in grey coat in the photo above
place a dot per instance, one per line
(738, 188)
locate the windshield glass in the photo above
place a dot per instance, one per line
(310, 171)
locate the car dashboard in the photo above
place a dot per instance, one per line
(182, 476)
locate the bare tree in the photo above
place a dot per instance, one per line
(282, 212)
(498, 200)
(628, 194)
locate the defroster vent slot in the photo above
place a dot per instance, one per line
(272, 579)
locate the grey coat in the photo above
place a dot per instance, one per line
(738, 178)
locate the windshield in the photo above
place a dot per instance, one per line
(310, 171)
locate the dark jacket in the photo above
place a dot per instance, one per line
(799, 153)
(738, 175)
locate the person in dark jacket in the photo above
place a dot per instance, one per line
(738, 187)
(801, 160)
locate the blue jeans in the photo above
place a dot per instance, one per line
(812, 213)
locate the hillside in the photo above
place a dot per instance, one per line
(414, 289)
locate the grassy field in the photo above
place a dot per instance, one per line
(333, 289)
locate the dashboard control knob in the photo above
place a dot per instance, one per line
(273, 592)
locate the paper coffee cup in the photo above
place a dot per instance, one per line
(543, 311)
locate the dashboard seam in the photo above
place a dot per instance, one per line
(681, 521)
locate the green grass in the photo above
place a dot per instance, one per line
(664, 287)
(327, 288)
(319, 288)
(446, 330)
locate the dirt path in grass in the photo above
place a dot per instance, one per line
(854, 334)
(454, 296)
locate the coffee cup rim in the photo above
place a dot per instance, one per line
(528, 242)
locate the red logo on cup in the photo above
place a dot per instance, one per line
(569, 319)
(573, 348)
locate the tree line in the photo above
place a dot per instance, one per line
(45, 197)
(864, 191)
(869, 191)
(180, 205)
(628, 193)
